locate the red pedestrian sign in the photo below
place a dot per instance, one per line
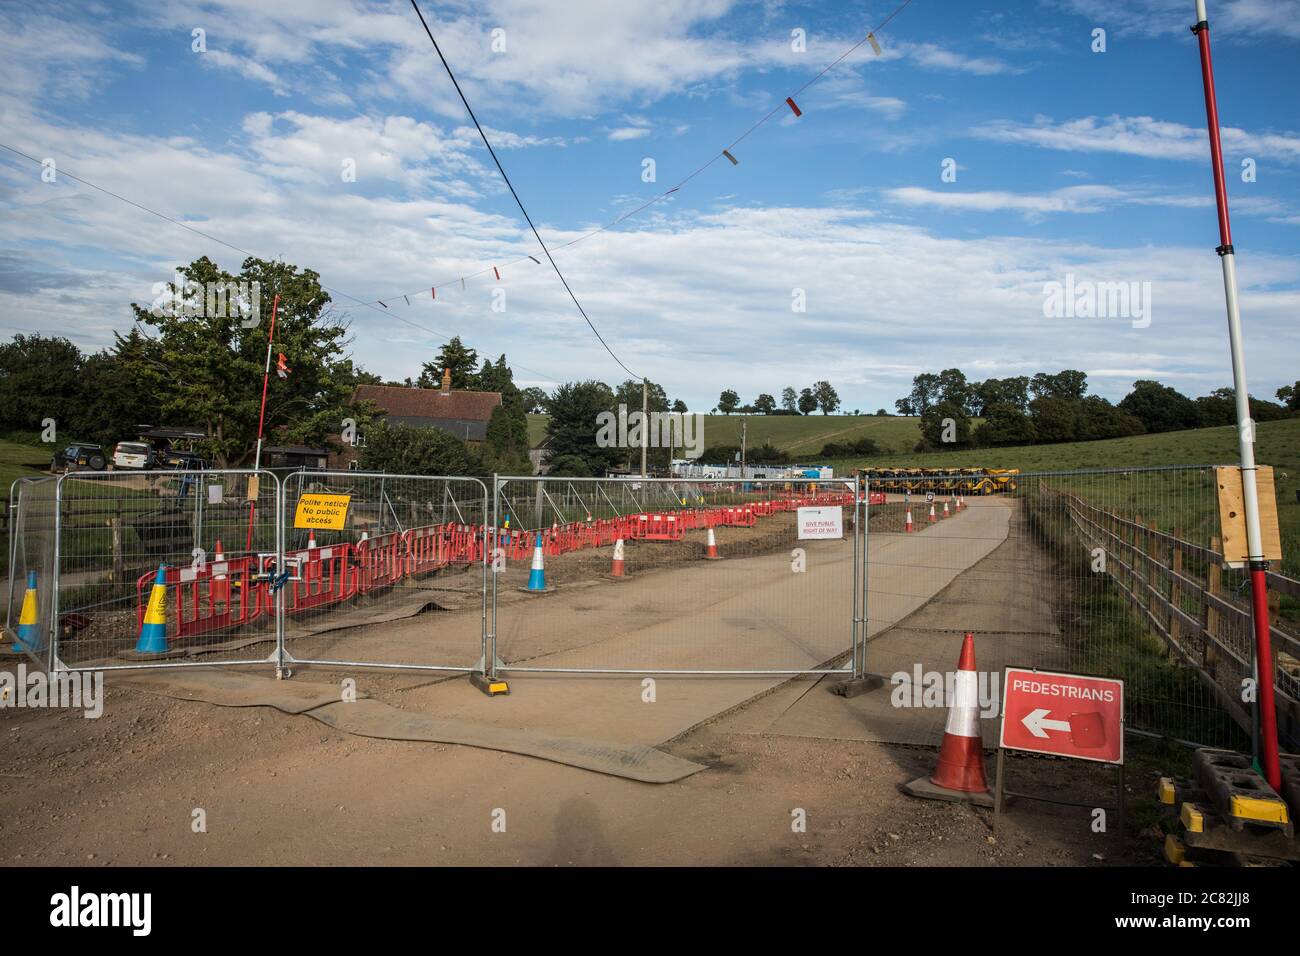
(1068, 715)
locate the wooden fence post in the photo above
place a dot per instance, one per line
(1213, 587)
(1175, 587)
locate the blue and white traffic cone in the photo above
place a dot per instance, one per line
(537, 575)
(153, 632)
(29, 638)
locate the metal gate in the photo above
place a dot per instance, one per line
(769, 603)
(392, 574)
(193, 549)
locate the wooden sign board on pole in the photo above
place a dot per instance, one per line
(1232, 515)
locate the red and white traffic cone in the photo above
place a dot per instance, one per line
(907, 525)
(617, 568)
(933, 519)
(311, 539)
(712, 553)
(960, 772)
(945, 509)
(219, 586)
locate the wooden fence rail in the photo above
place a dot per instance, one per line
(1178, 589)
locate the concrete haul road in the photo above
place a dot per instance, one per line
(740, 613)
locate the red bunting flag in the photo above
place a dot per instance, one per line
(433, 292)
(496, 272)
(281, 369)
(791, 103)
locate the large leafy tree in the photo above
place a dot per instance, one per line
(571, 430)
(728, 401)
(1067, 383)
(40, 378)
(122, 388)
(213, 363)
(926, 390)
(937, 433)
(505, 449)
(1005, 424)
(1159, 407)
(406, 450)
(454, 355)
(827, 398)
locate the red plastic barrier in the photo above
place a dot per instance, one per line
(214, 596)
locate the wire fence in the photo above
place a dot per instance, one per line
(1113, 572)
(407, 552)
(201, 545)
(672, 575)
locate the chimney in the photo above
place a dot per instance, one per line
(446, 381)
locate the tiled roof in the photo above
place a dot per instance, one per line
(401, 402)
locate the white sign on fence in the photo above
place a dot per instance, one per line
(818, 523)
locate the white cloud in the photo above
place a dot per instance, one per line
(1138, 136)
(245, 67)
(1072, 199)
(628, 132)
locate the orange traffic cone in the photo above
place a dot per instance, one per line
(907, 525)
(945, 509)
(712, 553)
(960, 771)
(617, 569)
(311, 539)
(932, 517)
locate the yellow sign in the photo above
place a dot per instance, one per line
(322, 511)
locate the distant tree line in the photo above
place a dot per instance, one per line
(1047, 408)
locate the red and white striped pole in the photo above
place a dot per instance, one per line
(261, 418)
(1266, 752)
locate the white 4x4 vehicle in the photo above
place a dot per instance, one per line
(131, 456)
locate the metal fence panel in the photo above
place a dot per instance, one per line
(210, 538)
(771, 603)
(400, 581)
(1113, 572)
(32, 509)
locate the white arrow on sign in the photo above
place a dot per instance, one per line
(1036, 722)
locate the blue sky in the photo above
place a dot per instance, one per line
(1069, 162)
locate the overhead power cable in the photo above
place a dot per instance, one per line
(519, 202)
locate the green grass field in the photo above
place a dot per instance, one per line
(18, 461)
